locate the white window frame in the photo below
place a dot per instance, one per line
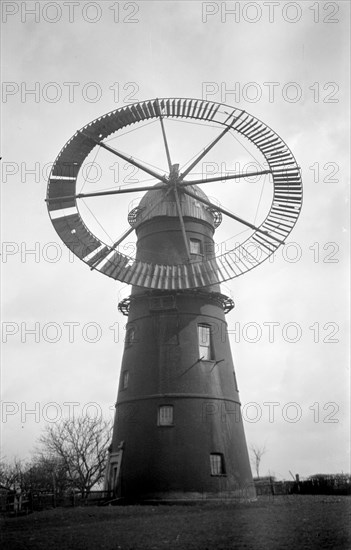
(165, 415)
(217, 464)
(195, 243)
(204, 341)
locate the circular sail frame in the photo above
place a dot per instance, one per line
(263, 242)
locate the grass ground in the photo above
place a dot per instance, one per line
(285, 522)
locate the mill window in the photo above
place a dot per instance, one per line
(235, 382)
(159, 303)
(217, 464)
(165, 415)
(195, 246)
(130, 336)
(125, 380)
(204, 337)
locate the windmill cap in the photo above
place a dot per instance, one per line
(158, 203)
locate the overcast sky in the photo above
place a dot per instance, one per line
(286, 64)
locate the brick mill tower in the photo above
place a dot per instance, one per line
(178, 411)
(178, 431)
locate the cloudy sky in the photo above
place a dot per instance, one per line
(284, 62)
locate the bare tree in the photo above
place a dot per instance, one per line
(256, 457)
(81, 443)
(12, 474)
(41, 473)
(46, 473)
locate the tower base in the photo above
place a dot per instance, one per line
(178, 430)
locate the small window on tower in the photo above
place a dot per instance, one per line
(195, 246)
(204, 336)
(235, 382)
(217, 464)
(160, 303)
(165, 415)
(130, 336)
(125, 380)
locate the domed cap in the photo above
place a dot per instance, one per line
(156, 203)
